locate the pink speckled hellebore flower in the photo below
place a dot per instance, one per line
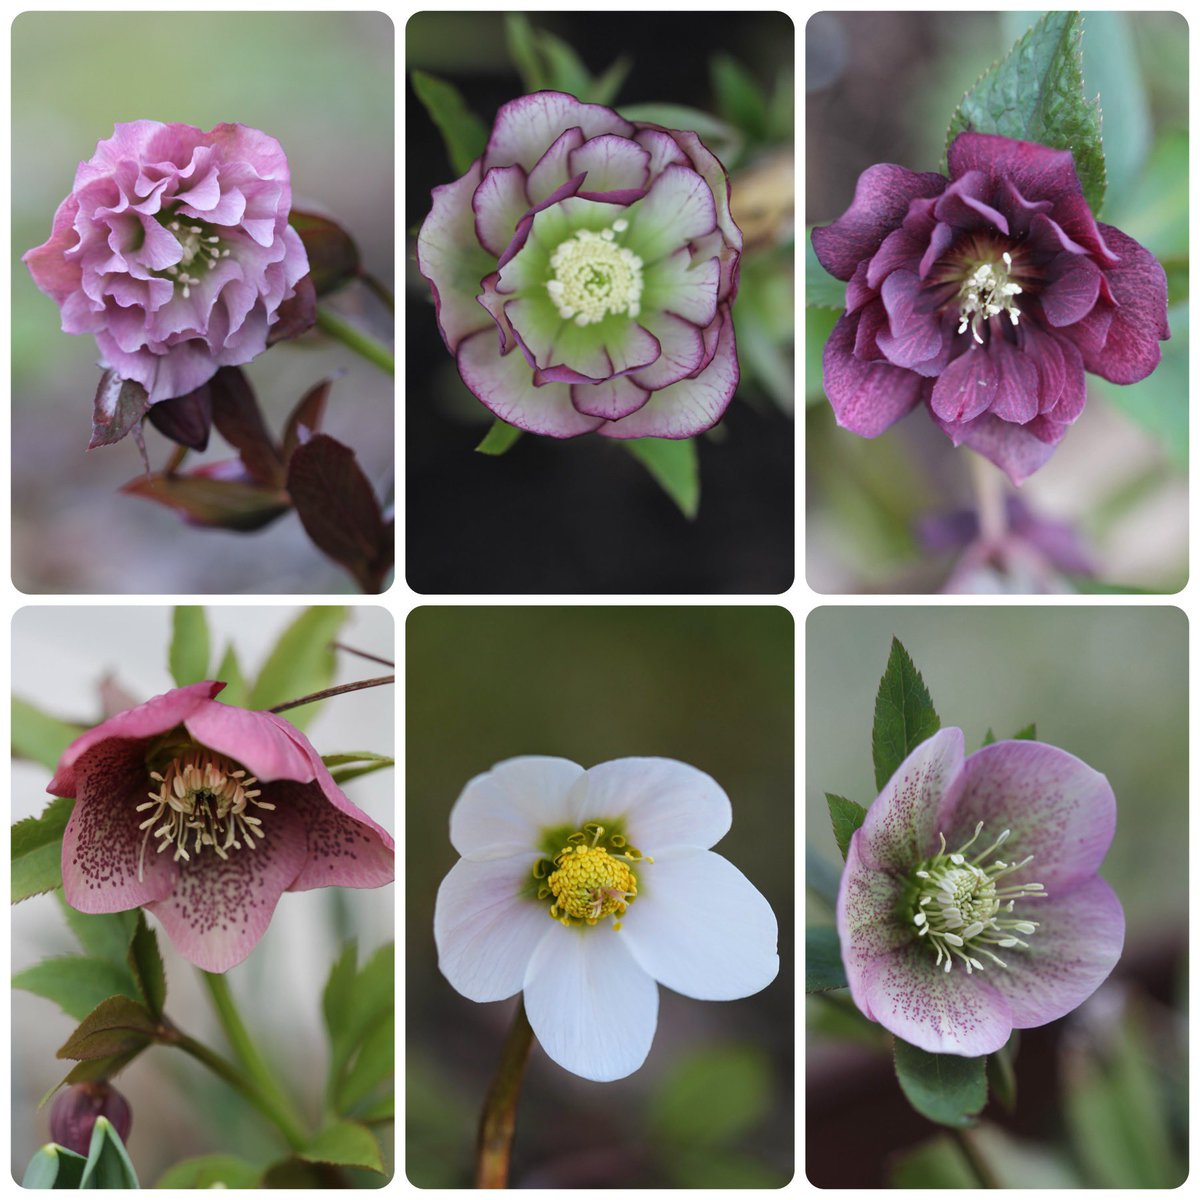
(174, 249)
(204, 815)
(970, 904)
(584, 269)
(986, 296)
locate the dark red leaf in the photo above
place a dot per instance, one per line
(119, 406)
(186, 419)
(332, 255)
(306, 417)
(240, 422)
(204, 498)
(297, 315)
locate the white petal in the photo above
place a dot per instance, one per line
(503, 811)
(594, 1010)
(486, 927)
(663, 803)
(701, 928)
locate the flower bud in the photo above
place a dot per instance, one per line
(75, 1109)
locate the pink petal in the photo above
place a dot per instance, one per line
(345, 847)
(262, 742)
(682, 346)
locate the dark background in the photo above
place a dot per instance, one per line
(581, 515)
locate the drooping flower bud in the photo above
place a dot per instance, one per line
(75, 1109)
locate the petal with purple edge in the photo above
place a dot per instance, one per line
(1034, 169)
(612, 164)
(504, 383)
(678, 209)
(684, 286)
(727, 950)
(881, 198)
(553, 169)
(867, 397)
(1058, 808)
(499, 202)
(662, 148)
(220, 908)
(526, 126)
(486, 927)
(682, 351)
(1077, 943)
(494, 300)
(593, 1009)
(943, 1012)
(610, 399)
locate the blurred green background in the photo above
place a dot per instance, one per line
(320, 82)
(1120, 474)
(712, 1107)
(1109, 685)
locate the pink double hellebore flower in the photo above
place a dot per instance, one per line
(986, 296)
(174, 249)
(204, 815)
(584, 270)
(970, 904)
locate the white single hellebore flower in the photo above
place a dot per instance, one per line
(586, 889)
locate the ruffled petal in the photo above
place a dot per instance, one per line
(1018, 450)
(1033, 169)
(611, 399)
(499, 203)
(617, 169)
(678, 209)
(867, 397)
(526, 126)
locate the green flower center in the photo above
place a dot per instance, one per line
(594, 276)
(589, 881)
(987, 290)
(958, 908)
(201, 250)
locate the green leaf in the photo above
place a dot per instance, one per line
(674, 466)
(54, 1167)
(230, 673)
(38, 736)
(946, 1088)
(821, 878)
(499, 438)
(719, 136)
(1155, 212)
(818, 325)
(375, 1113)
(345, 1144)
(352, 766)
(823, 969)
(147, 966)
(739, 96)
(114, 1027)
(211, 1170)
(188, 655)
(1028, 734)
(102, 935)
(904, 714)
(1002, 1075)
(302, 662)
(108, 1164)
(565, 71)
(989, 737)
(463, 133)
(339, 988)
(37, 850)
(711, 1097)
(821, 290)
(354, 1004)
(76, 984)
(519, 37)
(604, 87)
(374, 1063)
(846, 817)
(1036, 94)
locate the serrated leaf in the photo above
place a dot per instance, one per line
(229, 672)
(499, 438)
(682, 1109)
(54, 1167)
(146, 963)
(846, 817)
(188, 655)
(821, 290)
(674, 466)
(904, 714)
(823, 968)
(211, 1170)
(102, 935)
(108, 1164)
(1035, 93)
(344, 1144)
(38, 736)
(946, 1088)
(37, 850)
(374, 1063)
(75, 983)
(114, 1027)
(301, 662)
(463, 133)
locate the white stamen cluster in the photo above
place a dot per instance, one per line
(986, 293)
(202, 797)
(195, 244)
(957, 906)
(594, 276)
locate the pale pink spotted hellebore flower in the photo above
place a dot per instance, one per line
(174, 249)
(970, 904)
(204, 815)
(587, 889)
(584, 269)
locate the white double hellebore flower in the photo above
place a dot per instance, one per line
(587, 889)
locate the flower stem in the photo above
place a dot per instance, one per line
(979, 1168)
(341, 689)
(387, 662)
(380, 289)
(989, 499)
(499, 1120)
(359, 342)
(248, 1055)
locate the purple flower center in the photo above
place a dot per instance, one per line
(594, 276)
(203, 798)
(590, 881)
(201, 247)
(955, 904)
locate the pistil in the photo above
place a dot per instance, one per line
(985, 293)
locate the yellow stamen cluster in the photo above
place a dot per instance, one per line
(590, 884)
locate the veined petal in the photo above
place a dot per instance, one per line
(526, 126)
(867, 397)
(593, 1009)
(682, 346)
(678, 209)
(486, 927)
(260, 741)
(701, 928)
(683, 286)
(613, 164)
(1018, 450)
(553, 169)
(611, 398)
(499, 202)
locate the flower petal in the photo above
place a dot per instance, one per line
(613, 165)
(1033, 169)
(262, 742)
(611, 399)
(593, 1009)
(664, 803)
(682, 350)
(1059, 809)
(1074, 289)
(867, 397)
(486, 927)
(345, 847)
(1018, 450)
(701, 928)
(526, 126)
(684, 286)
(995, 378)
(504, 810)
(678, 209)
(553, 169)
(499, 202)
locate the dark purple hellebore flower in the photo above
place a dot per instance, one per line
(987, 296)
